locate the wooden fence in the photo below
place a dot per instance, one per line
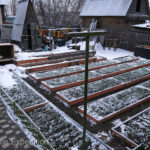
(128, 37)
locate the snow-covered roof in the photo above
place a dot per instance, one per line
(19, 20)
(106, 8)
(2, 2)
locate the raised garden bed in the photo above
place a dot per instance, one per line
(136, 130)
(110, 106)
(26, 121)
(52, 74)
(75, 95)
(61, 65)
(24, 95)
(53, 56)
(60, 132)
(78, 79)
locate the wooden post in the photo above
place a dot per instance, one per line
(85, 91)
(87, 36)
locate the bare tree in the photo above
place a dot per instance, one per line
(59, 12)
(13, 7)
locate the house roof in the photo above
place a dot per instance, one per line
(105, 8)
(19, 20)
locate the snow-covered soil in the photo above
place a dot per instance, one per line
(61, 133)
(110, 53)
(92, 74)
(33, 55)
(23, 94)
(74, 93)
(106, 106)
(68, 70)
(137, 128)
(57, 127)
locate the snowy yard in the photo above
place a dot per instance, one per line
(62, 124)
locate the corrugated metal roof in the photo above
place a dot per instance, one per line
(106, 8)
(19, 20)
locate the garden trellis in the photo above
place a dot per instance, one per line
(87, 35)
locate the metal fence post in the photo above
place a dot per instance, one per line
(85, 92)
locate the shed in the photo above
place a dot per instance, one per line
(26, 27)
(115, 12)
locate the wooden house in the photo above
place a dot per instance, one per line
(114, 13)
(2, 12)
(26, 29)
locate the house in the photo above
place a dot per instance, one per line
(117, 16)
(2, 12)
(114, 13)
(26, 29)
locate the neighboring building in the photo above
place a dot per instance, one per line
(115, 13)
(26, 28)
(2, 12)
(117, 16)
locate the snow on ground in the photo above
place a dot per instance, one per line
(104, 136)
(20, 71)
(117, 122)
(111, 54)
(108, 53)
(32, 55)
(6, 79)
(17, 49)
(6, 72)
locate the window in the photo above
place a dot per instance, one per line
(138, 5)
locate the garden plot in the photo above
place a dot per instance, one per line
(23, 94)
(136, 130)
(60, 131)
(75, 94)
(78, 79)
(112, 69)
(61, 65)
(52, 74)
(62, 83)
(110, 106)
(56, 73)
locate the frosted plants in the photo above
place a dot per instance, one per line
(61, 134)
(68, 70)
(137, 128)
(92, 74)
(77, 92)
(23, 94)
(106, 106)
